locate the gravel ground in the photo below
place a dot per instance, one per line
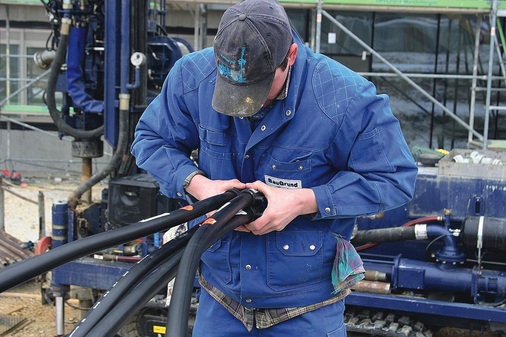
(34, 316)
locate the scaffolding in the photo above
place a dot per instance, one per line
(474, 137)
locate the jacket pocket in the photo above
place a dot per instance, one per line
(217, 156)
(294, 259)
(217, 258)
(296, 174)
(368, 153)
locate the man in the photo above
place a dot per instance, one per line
(267, 113)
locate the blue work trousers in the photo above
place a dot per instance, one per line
(213, 320)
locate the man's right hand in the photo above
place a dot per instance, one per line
(201, 187)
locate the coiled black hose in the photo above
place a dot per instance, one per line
(27, 269)
(220, 223)
(128, 281)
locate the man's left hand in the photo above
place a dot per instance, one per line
(283, 205)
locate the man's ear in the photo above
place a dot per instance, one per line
(292, 54)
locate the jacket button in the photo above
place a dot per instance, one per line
(247, 267)
(312, 247)
(248, 300)
(286, 247)
(288, 112)
(263, 128)
(327, 210)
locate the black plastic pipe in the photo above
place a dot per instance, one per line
(27, 269)
(178, 314)
(137, 298)
(152, 284)
(213, 229)
(128, 281)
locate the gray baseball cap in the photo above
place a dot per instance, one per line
(252, 41)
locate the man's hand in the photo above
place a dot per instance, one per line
(202, 187)
(283, 205)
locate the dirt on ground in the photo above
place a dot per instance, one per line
(24, 312)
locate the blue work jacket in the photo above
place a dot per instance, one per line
(332, 133)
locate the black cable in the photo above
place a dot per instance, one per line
(27, 269)
(219, 224)
(128, 281)
(428, 254)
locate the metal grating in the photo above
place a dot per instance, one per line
(8, 322)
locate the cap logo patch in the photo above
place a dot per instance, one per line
(230, 73)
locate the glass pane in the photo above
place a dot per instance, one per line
(9, 80)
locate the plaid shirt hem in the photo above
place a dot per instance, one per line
(263, 318)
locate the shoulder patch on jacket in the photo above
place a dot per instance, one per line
(335, 86)
(197, 67)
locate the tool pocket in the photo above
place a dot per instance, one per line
(294, 259)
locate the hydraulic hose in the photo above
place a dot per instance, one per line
(385, 235)
(51, 89)
(449, 253)
(377, 236)
(27, 269)
(212, 229)
(128, 281)
(140, 295)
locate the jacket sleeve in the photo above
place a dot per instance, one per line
(165, 137)
(379, 172)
